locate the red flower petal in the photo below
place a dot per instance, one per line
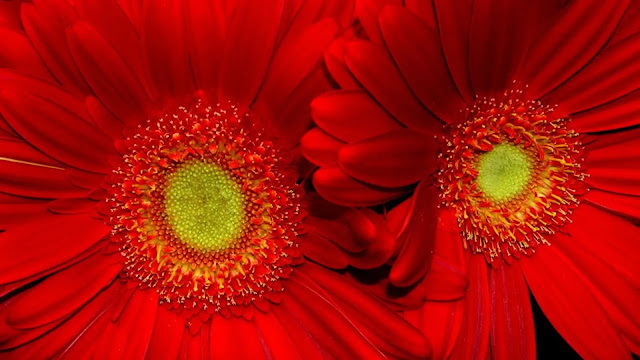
(224, 343)
(418, 238)
(10, 15)
(425, 71)
(277, 339)
(500, 34)
(613, 287)
(441, 322)
(454, 22)
(164, 48)
(109, 19)
(351, 115)
(512, 330)
(206, 33)
(297, 55)
(320, 148)
(334, 59)
(629, 24)
(107, 73)
(390, 333)
(63, 292)
(373, 67)
(128, 337)
(336, 186)
(617, 114)
(367, 11)
(27, 251)
(248, 49)
(615, 203)
(570, 306)
(613, 73)
(167, 334)
(323, 251)
(544, 75)
(473, 341)
(447, 276)
(22, 56)
(397, 158)
(424, 9)
(84, 323)
(45, 23)
(66, 136)
(381, 243)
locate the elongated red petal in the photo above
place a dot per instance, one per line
(206, 30)
(500, 34)
(22, 56)
(560, 291)
(613, 73)
(544, 75)
(224, 345)
(45, 23)
(63, 292)
(248, 49)
(295, 58)
(473, 341)
(374, 68)
(394, 159)
(354, 310)
(320, 148)
(441, 322)
(616, 114)
(277, 339)
(128, 337)
(107, 72)
(425, 71)
(34, 248)
(165, 51)
(512, 318)
(419, 238)
(336, 186)
(51, 125)
(167, 334)
(351, 115)
(625, 205)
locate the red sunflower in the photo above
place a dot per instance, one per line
(513, 125)
(149, 185)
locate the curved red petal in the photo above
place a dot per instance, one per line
(374, 68)
(512, 318)
(63, 292)
(570, 305)
(336, 186)
(543, 75)
(425, 71)
(351, 115)
(394, 159)
(613, 73)
(34, 248)
(249, 45)
(419, 238)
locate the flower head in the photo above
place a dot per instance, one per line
(499, 138)
(150, 185)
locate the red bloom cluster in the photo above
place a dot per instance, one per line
(323, 179)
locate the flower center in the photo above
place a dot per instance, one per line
(205, 207)
(202, 212)
(503, 172)
(512, 173)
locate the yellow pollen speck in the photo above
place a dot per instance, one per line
(503, 172)
(205, 206)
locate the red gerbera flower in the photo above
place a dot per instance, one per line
(149, 185)
(513, 124)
